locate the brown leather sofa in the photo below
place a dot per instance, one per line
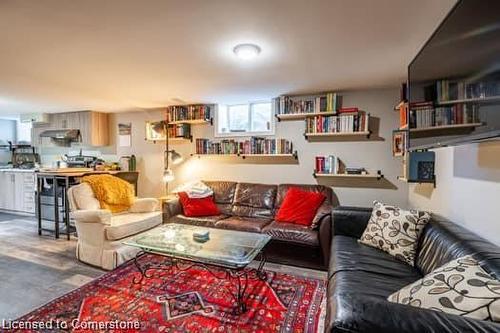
(252, 207)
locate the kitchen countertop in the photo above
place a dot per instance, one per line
(17, 170)
(69, 173)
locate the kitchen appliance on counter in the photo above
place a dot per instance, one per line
(80, 160)
(24, 157)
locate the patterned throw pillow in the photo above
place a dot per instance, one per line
(460, 287)
(395, 231)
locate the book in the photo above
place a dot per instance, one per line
(254, 145)
(425, 115)
(342, 123)
(179, 131)
(326, 164)
(306, 104)
(189, 112)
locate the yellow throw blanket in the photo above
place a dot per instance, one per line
(113, 193)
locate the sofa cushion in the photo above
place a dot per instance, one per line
(299, 206)
(84, 197)
(293, 233)
(144, 205)
(198, 206)
(325, 208)
(348, 254)
(223, 194)
(461, 287)
(128, 224)
(202, 221)
(444, 241)
(254, 200)
(349, 311)
(242, 223)
(395, 231)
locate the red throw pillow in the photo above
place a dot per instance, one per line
(299, 207)
(198, 206)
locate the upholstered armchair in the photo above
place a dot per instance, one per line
(101, 233)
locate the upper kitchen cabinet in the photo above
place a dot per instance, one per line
(93, 127)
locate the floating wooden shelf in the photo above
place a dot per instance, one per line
(215, 155)
(294, 155)
(338, 134)
(421, 181)
(173, 140)
(193, 122)
(445, 127)
(377, 175)
(180, 139)
(299, 116)
(490, 99)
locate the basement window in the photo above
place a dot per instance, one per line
(245, 119)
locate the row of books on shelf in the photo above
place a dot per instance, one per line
(330, 102)
(179, 131)
(450, 90)
(426, 115)
(189, 112)
(255, 145)
(342, 123)
(327, 164)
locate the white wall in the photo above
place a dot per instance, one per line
(373, 154)
(7, 133)
(467, 190)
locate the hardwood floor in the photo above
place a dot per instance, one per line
(36, 269)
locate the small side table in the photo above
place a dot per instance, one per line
(164, 205)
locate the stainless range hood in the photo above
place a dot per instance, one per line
(62, 137)
(63, 134)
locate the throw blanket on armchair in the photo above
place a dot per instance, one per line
(113, 193)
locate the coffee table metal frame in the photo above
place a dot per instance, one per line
(240, 276)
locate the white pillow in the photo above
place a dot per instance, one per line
(395, 231)
(195, 190)
(460, 287)
(85, 198)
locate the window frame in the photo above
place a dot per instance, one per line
(250, 133)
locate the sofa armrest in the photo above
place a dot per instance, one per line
(350, 221)
(361, 314)
(92, 216)
(144, 205)
(171, 207)
(325, 237)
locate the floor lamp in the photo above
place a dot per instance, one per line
(168, 174)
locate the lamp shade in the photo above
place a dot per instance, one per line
(168, 176)
(176, 157)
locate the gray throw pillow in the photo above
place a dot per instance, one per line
(460, 287)
(395, 231)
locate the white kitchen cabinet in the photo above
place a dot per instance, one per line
(4, 196)
(17, 191)
(10, 190)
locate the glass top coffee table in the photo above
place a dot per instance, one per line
(225, 254)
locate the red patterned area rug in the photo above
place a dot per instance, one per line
(184, 301)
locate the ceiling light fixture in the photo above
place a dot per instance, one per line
(246, 51)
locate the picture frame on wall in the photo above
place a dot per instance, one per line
(399, 143)
(155, 130)
(125, 134)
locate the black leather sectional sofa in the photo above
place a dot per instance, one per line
(360, 278)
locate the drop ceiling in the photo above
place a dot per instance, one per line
(120, 55)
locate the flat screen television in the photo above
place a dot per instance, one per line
(454, 81)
